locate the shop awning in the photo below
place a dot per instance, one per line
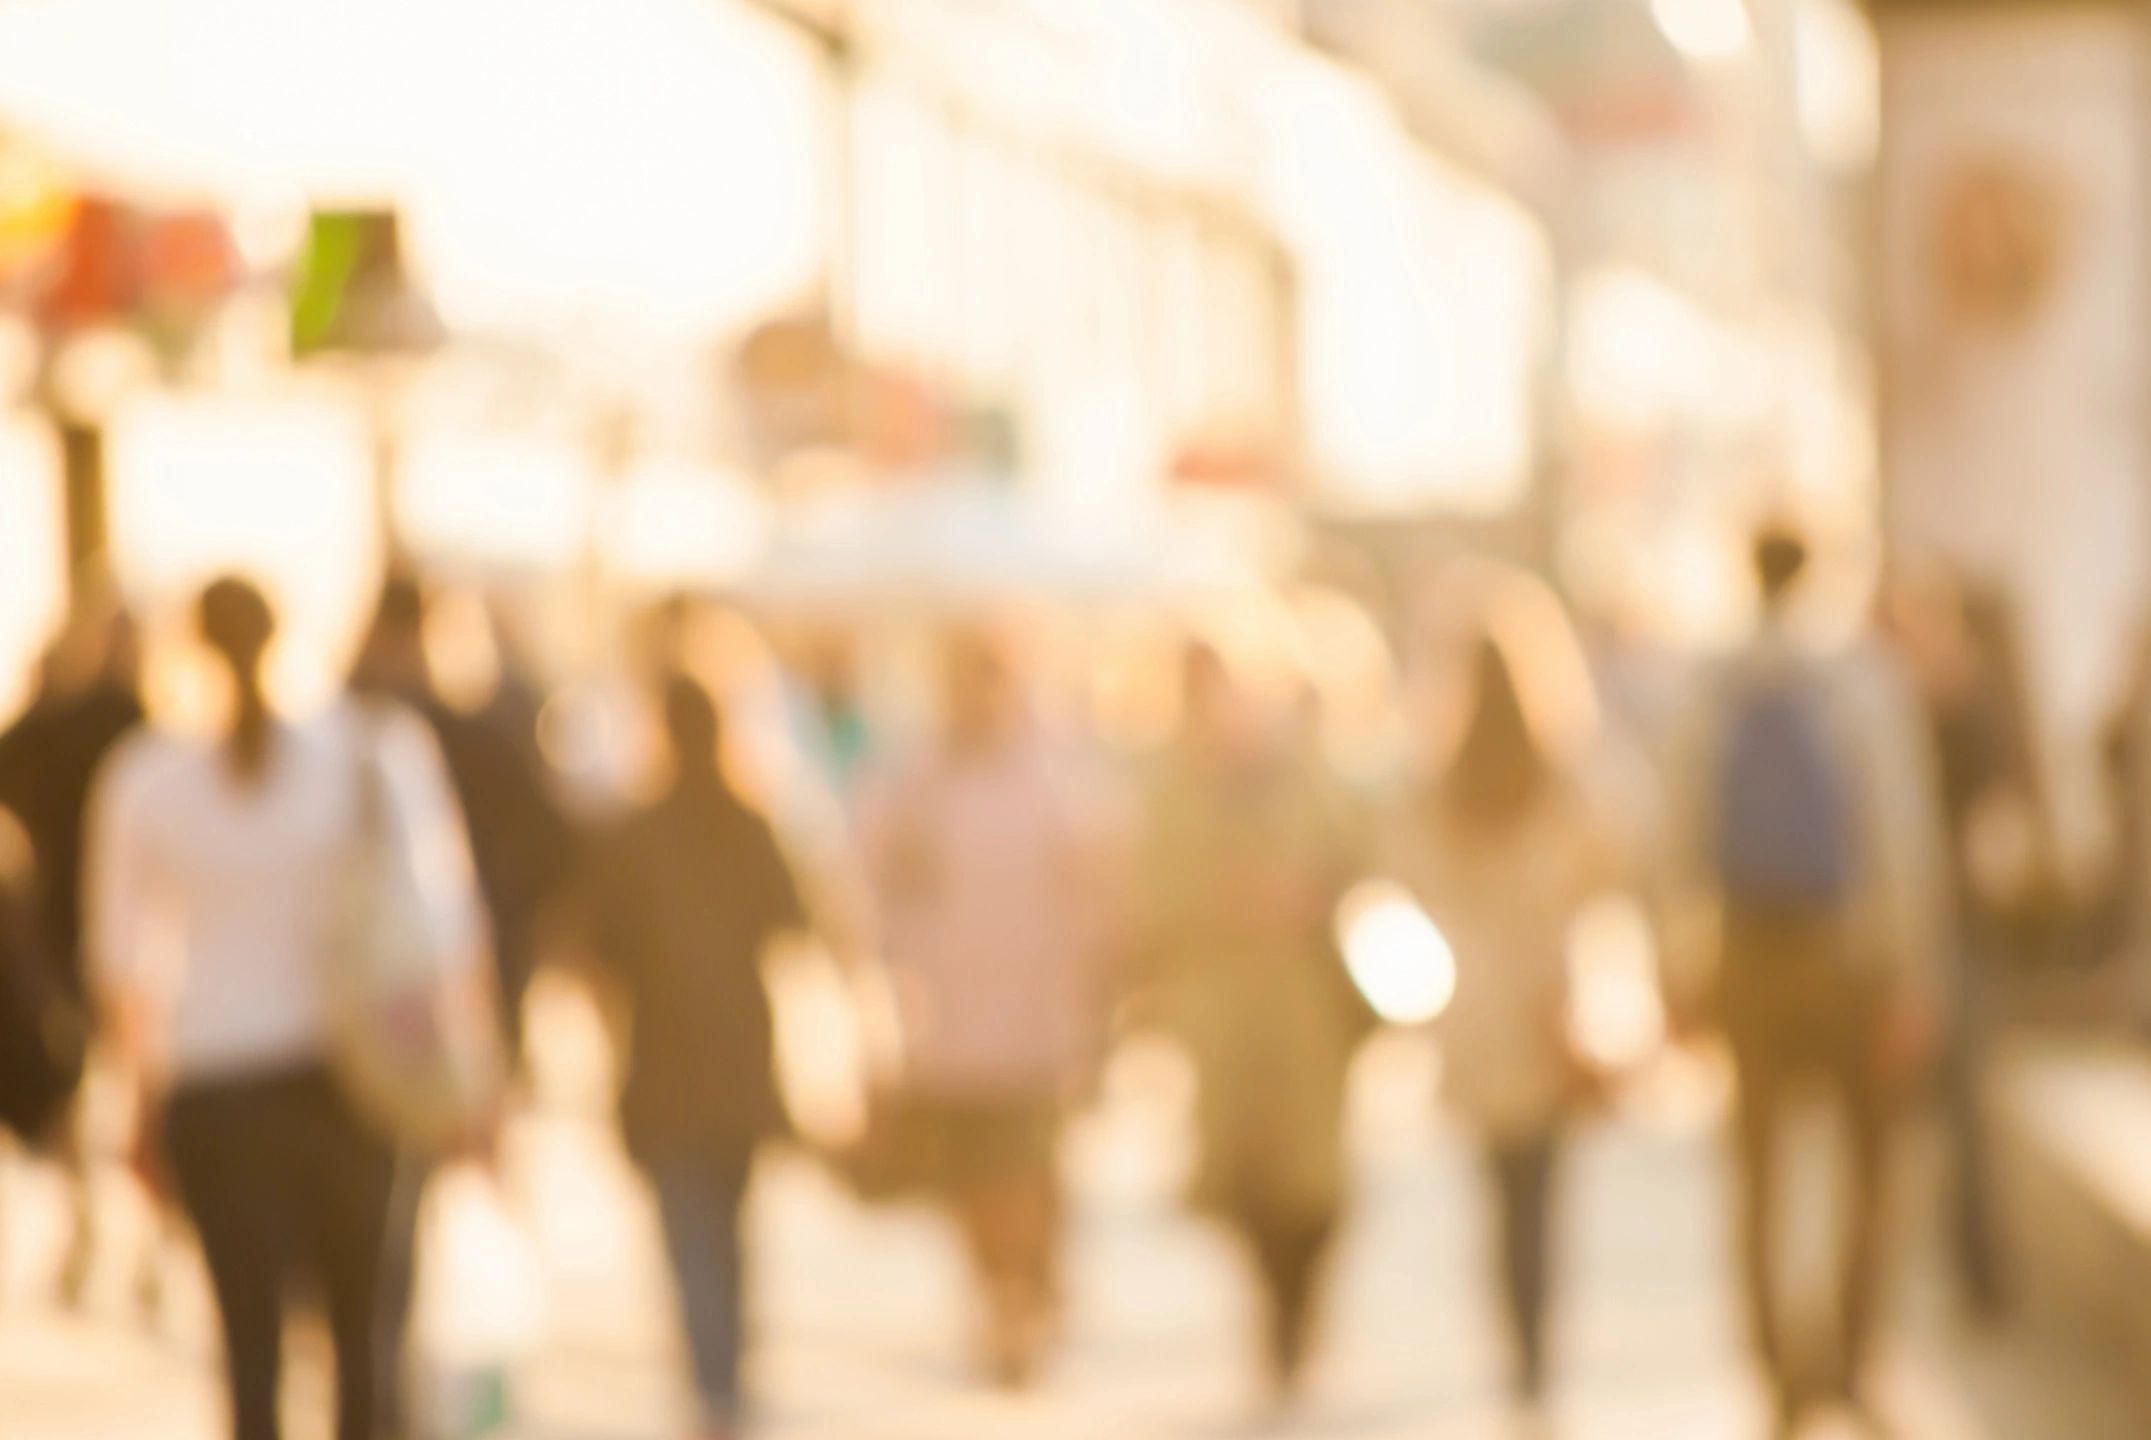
(642, 162)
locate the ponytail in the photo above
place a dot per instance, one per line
(237, 624)
(246, 744)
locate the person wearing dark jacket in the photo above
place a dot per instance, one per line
(521, 847)
(1968, 659)
(521, 842)
(89, 700)
(685, 896)
(48, 761)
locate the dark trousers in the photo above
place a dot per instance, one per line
(1523, 1176)
(1288, 1251)
(285, 1187)
(1964, 1110)
(1798, 1016)
(700, 1197)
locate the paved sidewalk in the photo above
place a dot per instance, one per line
(863, 1320)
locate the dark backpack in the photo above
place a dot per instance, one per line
(1785, 820)
(44, 1031)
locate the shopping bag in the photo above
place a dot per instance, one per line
(481, 1305)
(414, 1055)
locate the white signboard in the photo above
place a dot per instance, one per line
(2015, 253)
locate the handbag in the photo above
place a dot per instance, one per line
(413, 1055)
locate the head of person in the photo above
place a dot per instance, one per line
(392, 659)
(1208, 695)
(661, 637)
(121, 665)
(830, 665)
(982, 704)
(237, 625)
(1499, 765)
(1780, 556)
(694, 735)
(511, 646)
(1217, 716)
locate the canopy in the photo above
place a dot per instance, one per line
(638, 162)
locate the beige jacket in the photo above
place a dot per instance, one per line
(1240, 877)
(1506, 900)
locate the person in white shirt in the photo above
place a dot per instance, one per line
(213, 874)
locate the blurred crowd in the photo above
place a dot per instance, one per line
(306, 940)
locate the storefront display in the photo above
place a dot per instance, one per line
(1425, 312)
(2017, 252)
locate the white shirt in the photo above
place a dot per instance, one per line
(216, 895)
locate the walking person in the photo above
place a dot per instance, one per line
(520, 840)
(215, 907)
(1807, 823)
(1504, 841)
(522, 850)
(44, 1031)
(686, 895)
(984, 863)
(1245, 854)
(89, 700)
(1965, 657)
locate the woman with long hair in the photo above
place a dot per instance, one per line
(1503, 840)
(215, 874)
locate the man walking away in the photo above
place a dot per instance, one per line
(1808, 826)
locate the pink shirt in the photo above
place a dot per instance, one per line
(987, 886)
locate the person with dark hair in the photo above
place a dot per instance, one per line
(85, 706)
(1807, 829)
(215, 907)
(686, 896)
(88, 701)
(520, 843)
(1960, 640)
(1503, 842)
(520, 839)
(1245, 852)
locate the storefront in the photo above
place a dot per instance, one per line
(1425, 307)
(1075, 252)
(1102, 274)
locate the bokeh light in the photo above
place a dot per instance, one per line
(1396, 954)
